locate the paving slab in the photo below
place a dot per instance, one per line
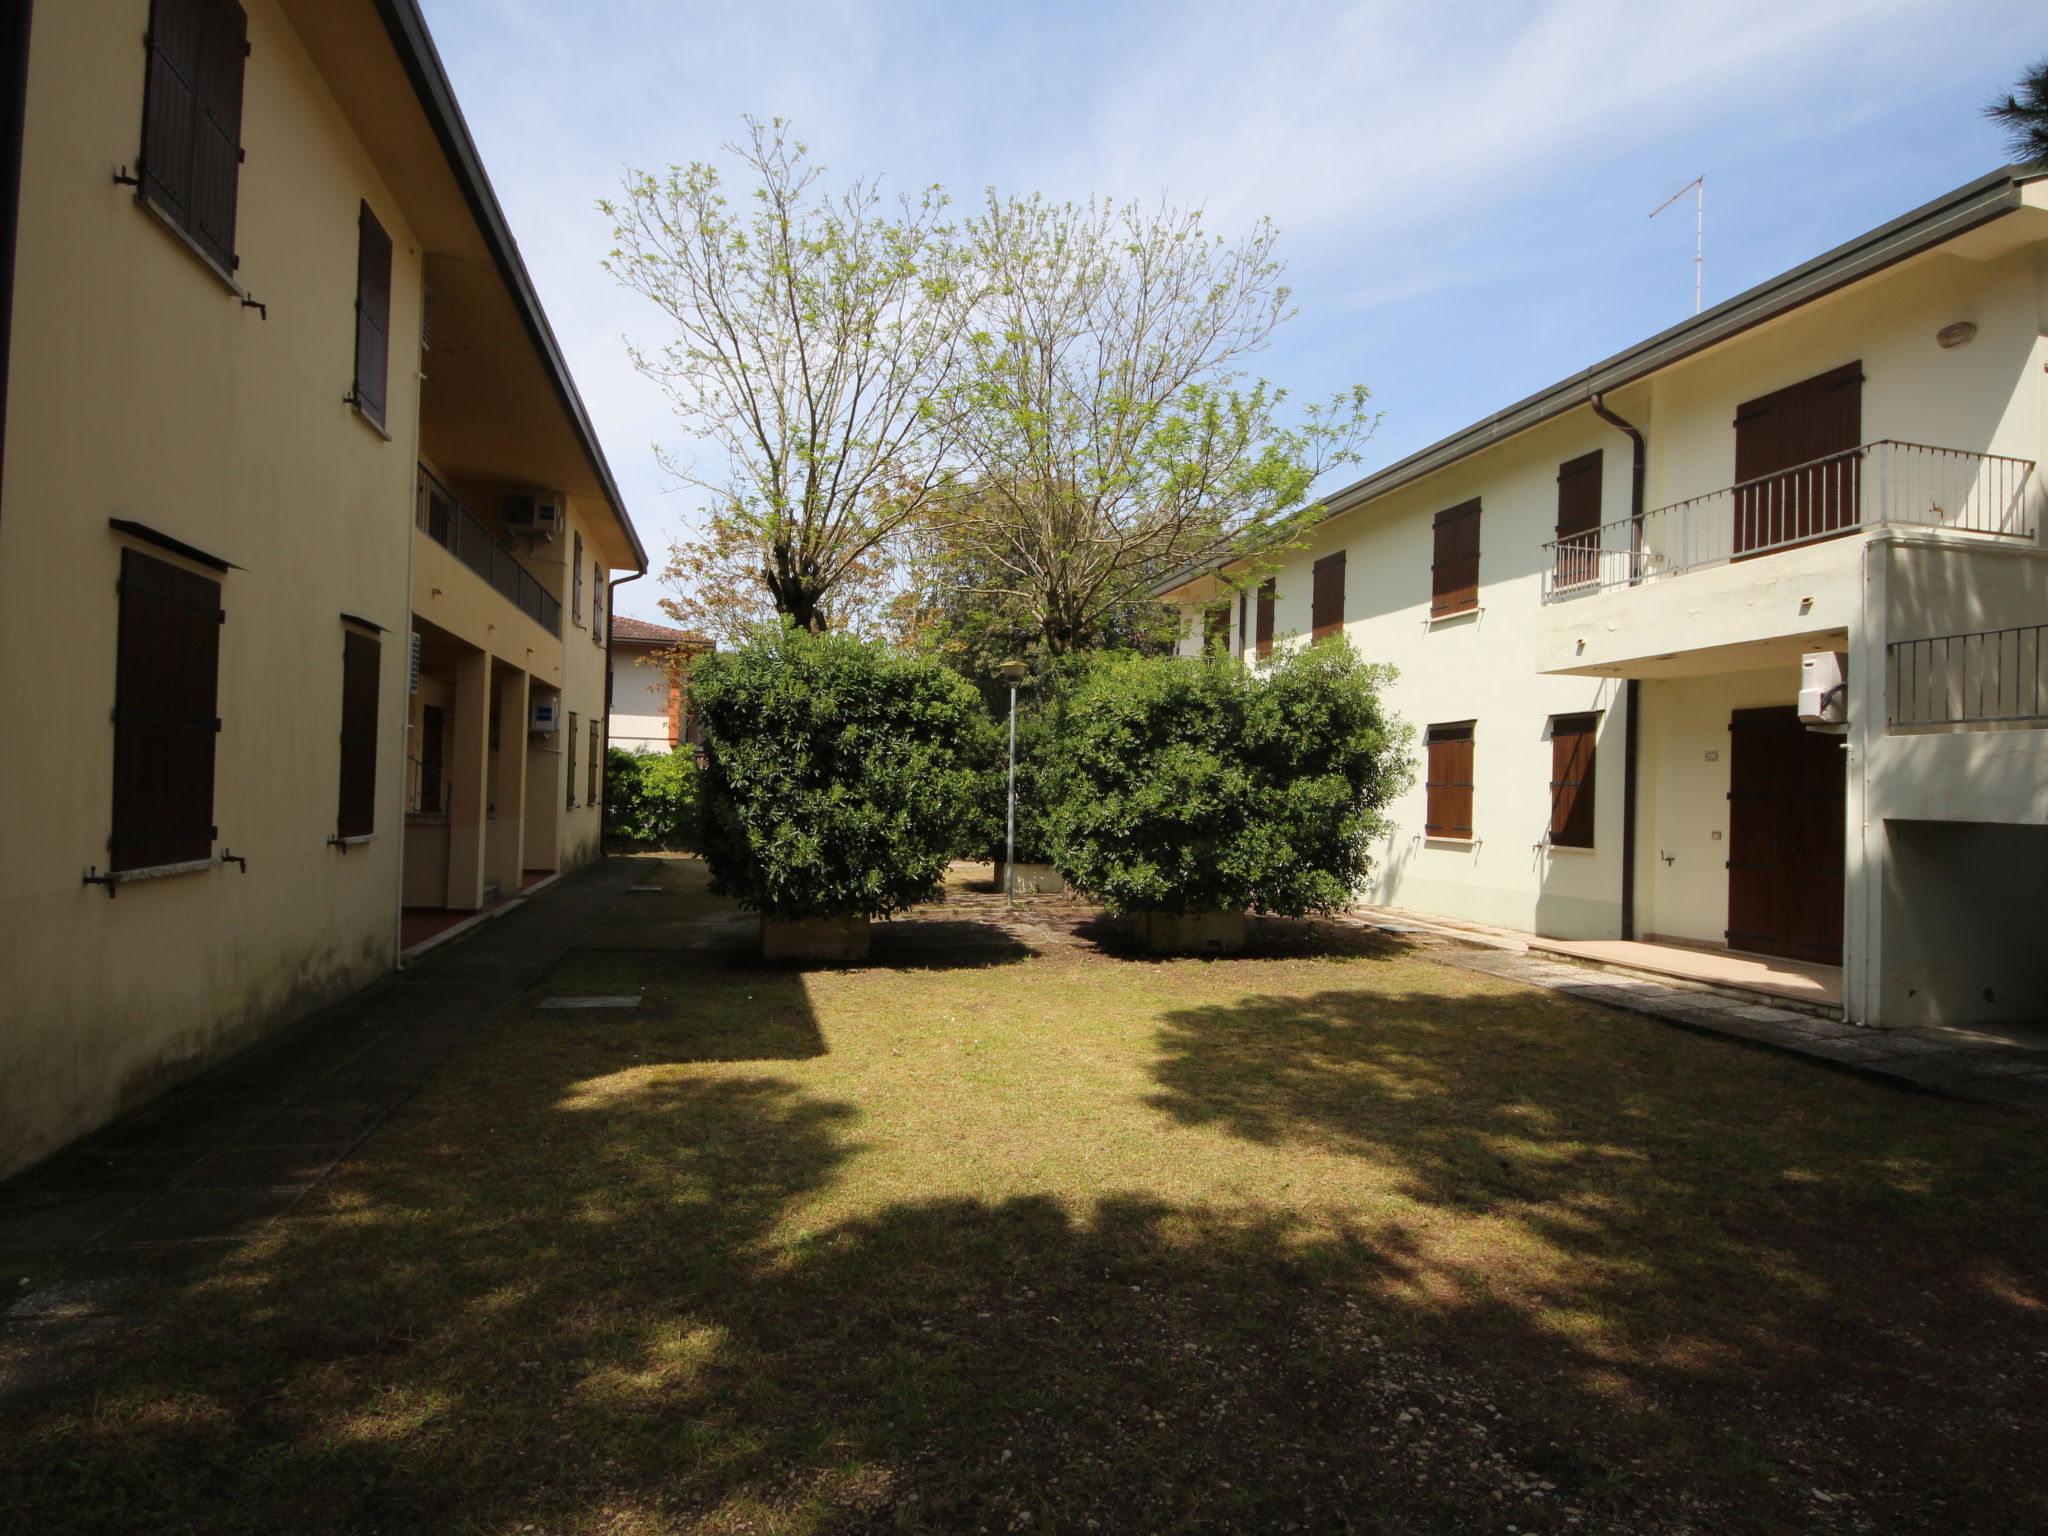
(1955, 1068)
(1876, 1048)
(199, 1215)
(96, 1237)
(1807, 1028)
(1762, 1013)
(316, 1123)
(1987, 1069)
(72, 1224)
(251, 1167)
(2019, 1092)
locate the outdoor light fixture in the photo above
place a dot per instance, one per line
(1014, 673)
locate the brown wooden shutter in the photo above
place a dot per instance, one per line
(361, 656)
(1571, 780)
(1448, 812)
(1454, 575)
(1215, 630)
(569, 774)
(1777, 501)
(1326, 607)
(595, 790)
(433, 740)
(373, 315)
(597, 601)
(167, 669)
(576, 579)
(1269, 591)
(192, 119)
(1578, 521)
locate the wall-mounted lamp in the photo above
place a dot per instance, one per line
(1961, 334)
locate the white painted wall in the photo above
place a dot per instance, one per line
(1707, 642)
(1682, 789)
(639, 717)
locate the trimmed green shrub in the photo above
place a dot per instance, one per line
(650, 798)
(841, 777)
(1192, 786)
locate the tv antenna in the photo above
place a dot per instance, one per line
(1699, 234)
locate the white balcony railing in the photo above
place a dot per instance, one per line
(1878, 484)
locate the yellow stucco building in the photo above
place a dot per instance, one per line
(306, 541)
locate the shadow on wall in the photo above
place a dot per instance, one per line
(594, 1293)
(1966, 912)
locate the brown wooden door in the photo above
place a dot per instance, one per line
(1785, 840)
(1784, 496)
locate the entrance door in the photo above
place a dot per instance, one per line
(1785, 812)
(1795, 463)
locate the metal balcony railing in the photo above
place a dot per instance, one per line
(446, 521)
(428, 792)
(1989, 677)
(1879, 484)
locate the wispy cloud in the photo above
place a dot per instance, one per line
(1456, 183)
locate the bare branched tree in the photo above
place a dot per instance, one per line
(810, 333)
(1107, 434)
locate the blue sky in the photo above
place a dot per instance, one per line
(1463, 190)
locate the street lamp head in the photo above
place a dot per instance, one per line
(1014, 672)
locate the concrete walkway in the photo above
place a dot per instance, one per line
(94, 1238)
(1993, 1064)
(1808, 986)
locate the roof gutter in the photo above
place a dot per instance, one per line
(1978, 202)
(422, 64)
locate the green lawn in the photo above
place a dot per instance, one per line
(1328, 1238)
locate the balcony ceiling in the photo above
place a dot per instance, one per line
(491, 411)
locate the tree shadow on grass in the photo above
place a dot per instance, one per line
(1868, 1266)
(1265, 938)
(601, 1298)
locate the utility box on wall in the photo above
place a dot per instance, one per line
(547, 716)
(1824, 688)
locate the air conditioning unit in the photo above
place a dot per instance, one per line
(547, 715)
(1824, 689)
(529, 514)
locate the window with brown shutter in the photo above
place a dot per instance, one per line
(1326, 607)
(597, 633)
(1571, 779)
(594, 790)
(1578, 521)
(576, 580)
(192, 121)
(361, 656)
(373, 316)
(1269, 591)
(1454, 574)
(1448, 812)
(1796, 474)
(166, 672)
(1215, 631)
(570, 774)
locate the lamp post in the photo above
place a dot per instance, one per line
(1013, 674)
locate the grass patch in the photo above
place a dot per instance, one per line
(1324, 1239)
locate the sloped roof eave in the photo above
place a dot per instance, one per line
(422, 63)
(1977, 202)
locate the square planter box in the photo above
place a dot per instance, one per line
(814, 938)
(1189, 933)
(1033, 880)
